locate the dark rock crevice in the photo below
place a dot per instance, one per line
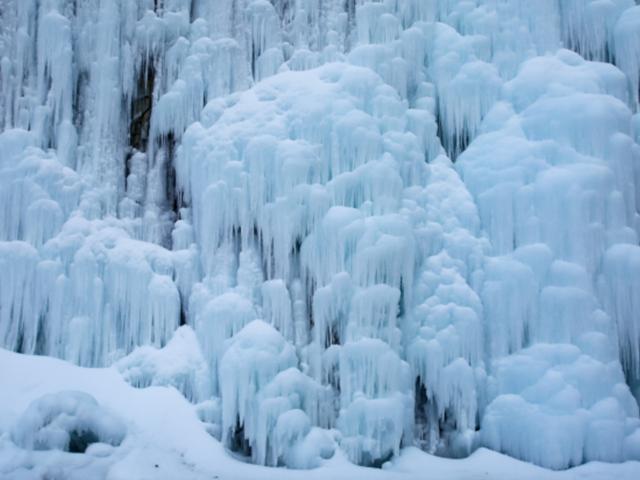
(141, 108)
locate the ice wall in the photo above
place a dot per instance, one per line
(364, 224)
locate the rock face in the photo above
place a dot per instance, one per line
(370, 223)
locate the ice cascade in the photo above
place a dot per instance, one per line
(358, 225)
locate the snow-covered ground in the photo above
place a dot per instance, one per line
(165, 439)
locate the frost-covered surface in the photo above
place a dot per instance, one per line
(336, 228)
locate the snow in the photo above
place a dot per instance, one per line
(162, 446)
(66, 421)
(312, 234)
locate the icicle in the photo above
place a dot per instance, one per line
(221, 319)
(276, 308)
(262, 35)
(627, 51)
(252, 359)
(620, 282)
(374, 393)
(20, 316)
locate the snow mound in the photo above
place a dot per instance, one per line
(69, 421)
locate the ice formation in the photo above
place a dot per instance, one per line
(361, 225)
(180, 364)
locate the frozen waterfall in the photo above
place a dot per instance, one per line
(349, 224)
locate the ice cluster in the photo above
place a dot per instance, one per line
(332, 224)
(179, 364)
